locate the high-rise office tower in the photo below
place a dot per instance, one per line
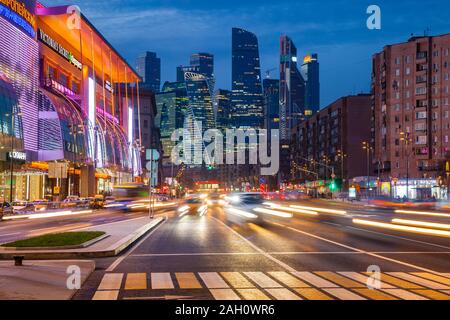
(271, 104)
(222, 104)
(246, 98)
(205, 63)
(310, 72)
(292, 89)
(148, 66)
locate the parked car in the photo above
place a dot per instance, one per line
(5, 209)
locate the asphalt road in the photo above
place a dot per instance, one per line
(305, 257)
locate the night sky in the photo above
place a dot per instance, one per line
(334, 29)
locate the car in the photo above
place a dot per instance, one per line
(109, 200)
(21, 205)
(193, 206)
(5, 209)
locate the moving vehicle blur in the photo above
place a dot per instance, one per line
(194, 205)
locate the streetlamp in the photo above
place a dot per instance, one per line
(368, 148)
(341, 155)
(405, 138)
(11, 156)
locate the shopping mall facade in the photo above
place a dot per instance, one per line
(66, 126)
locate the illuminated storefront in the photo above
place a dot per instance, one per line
(19, 74)
(64, 128)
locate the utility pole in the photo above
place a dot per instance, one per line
(368, 148)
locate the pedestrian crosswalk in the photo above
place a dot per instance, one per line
(276, 285)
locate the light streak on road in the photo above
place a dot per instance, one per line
(424, 213)
(324, 210)
(274, 212)
(390, 226)
(422, 224)
(290, 209)
(241, 213)
(47, 215)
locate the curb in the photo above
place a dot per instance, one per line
(80, 246)
(112, 251)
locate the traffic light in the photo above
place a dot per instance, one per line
(210, 168)
(333, 186)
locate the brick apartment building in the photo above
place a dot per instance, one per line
(411, 123)
(334, 137)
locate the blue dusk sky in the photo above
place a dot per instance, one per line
(335, 29)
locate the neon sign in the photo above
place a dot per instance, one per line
(53, 44)
(18, 14)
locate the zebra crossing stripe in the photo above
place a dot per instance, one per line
(288, 280)
(316, 281)
(253, 294)
(212, 280)
(344, 294)
(106, 295)
(111, 281)
(435, 295)
(187, 280)
(224, 294)
(403, 294)
(283, 294)
(313, 294)
(420, 281)
(433, 277)
(363, 279)
(136, 281)
(162, 281)
(374, 294)
(340, 280)
(399, 282)
(236, 280)
(263, 280)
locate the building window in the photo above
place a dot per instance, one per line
(397, 72)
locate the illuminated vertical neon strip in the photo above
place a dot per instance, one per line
(91, 117)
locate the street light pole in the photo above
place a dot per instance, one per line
(11, 164)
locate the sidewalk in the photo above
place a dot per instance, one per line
(40, 280)
(120, 235)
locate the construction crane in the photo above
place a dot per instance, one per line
(269, 71)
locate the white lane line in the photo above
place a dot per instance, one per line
(402, 238)
(111, 281)
(224, 294)
(267, 255)
(403, 294)
(161, 281)
(283, 294)
(423, 282)
(315, 280)
(358, 250)
(263, 280)
(119, 260)
(363, 279)
(344, 294)
(212, 280)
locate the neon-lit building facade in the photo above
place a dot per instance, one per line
(68, 101)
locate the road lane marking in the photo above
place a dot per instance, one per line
(363, 279)
(111, 281)
(136, 281)
(374, 294)
(395, 227)
(187, 280)
(283, 294)
(106, 295)
(340, 280)
(434, 295)
(212, 280)
(256, 248)
(313, 294)
(161, 280)
(288, 280)
(420, 281)
(344, 294)
(237, 280)
(403, 294)
(399, 282)
(316, 281)
(432, 277)
(262, 280)
(119, 260)
(357, 250)
(224, 294)
(253, 294)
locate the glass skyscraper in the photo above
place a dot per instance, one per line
(310, 72)
(292, 89)
(222, 104)
(271, 104)
(148, 66)
(205, 63)
(246, 98)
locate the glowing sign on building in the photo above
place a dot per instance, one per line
(21, 14)
(58, 48)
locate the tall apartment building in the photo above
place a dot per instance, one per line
(333, 137)
(411, 123)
